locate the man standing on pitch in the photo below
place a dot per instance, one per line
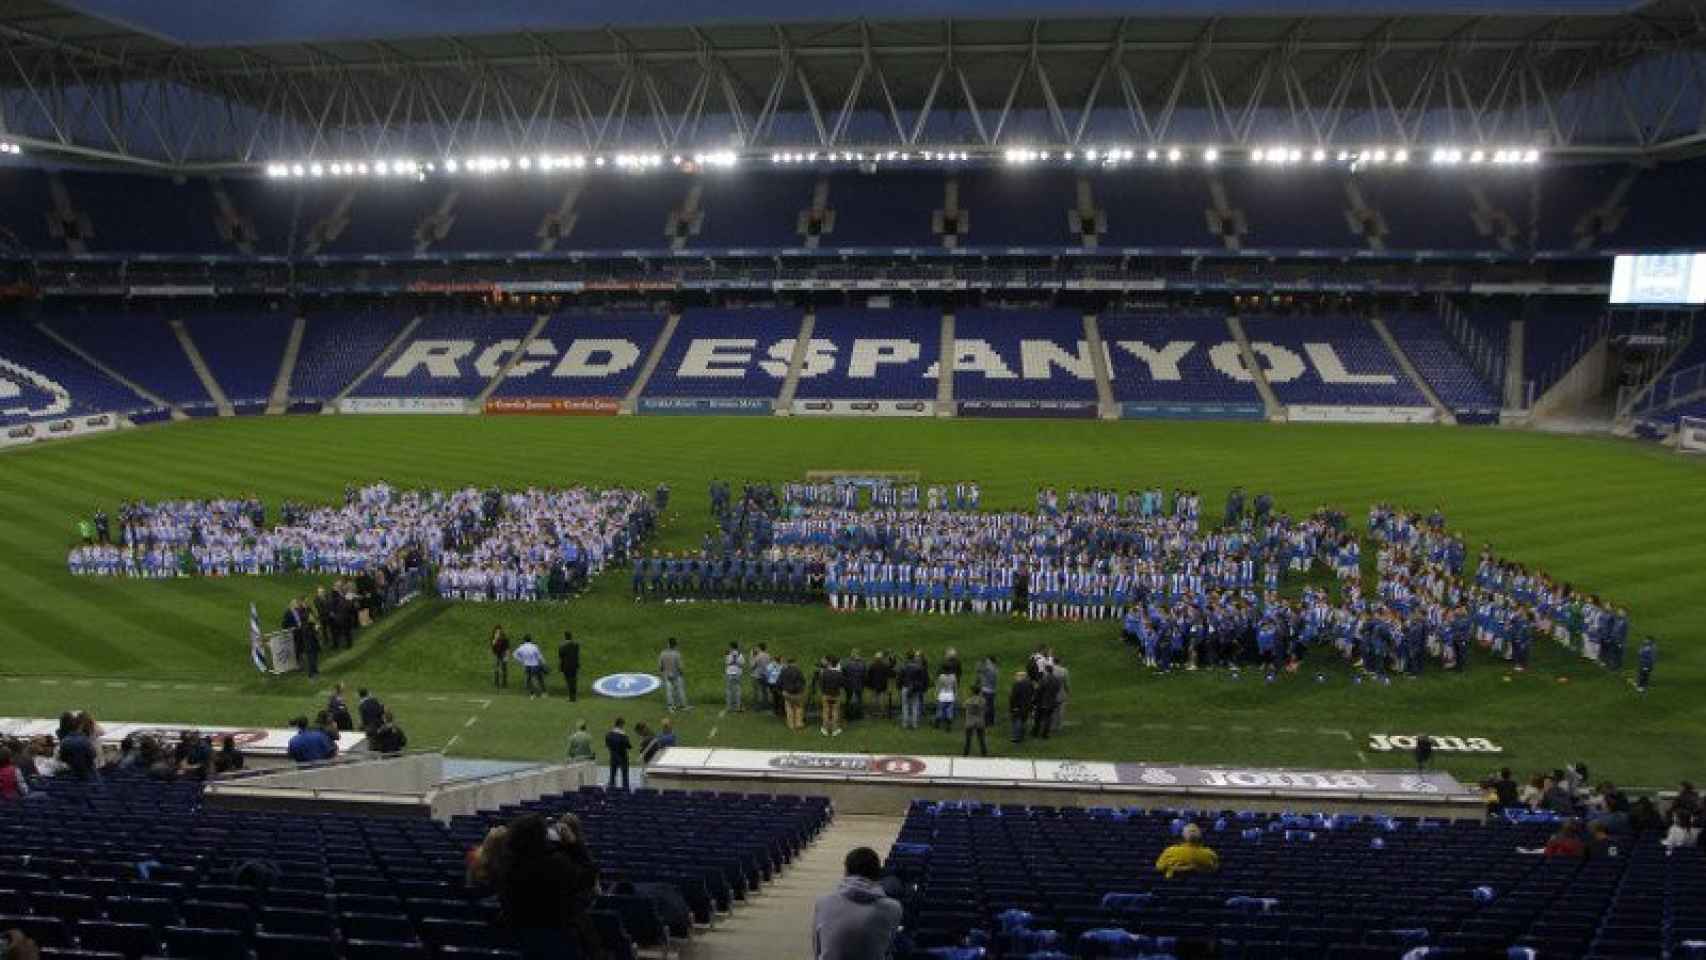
(569, 661)
(532, 666)
(674, 683)
(617, 744)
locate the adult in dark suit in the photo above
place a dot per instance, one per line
(371, 710)
(569, 661)
(1048, 698)
(617, 744)
(304, 641)
(1019, 701)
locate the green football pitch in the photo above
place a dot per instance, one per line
(1627, 521)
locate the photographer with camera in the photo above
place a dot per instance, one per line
(546, 882)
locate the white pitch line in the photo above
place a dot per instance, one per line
(1363, 757)
(1285, 729)
(712, 735)
(470, 722)
(1327, 732)
(438, 699)
(115, 684)
(47, 682)
(452, 741)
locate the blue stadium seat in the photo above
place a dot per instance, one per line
(286, 946)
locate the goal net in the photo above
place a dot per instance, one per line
(1691, 435)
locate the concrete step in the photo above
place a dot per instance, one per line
(778, 922)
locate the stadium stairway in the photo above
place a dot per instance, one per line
(632, 400)
(391, 348)
(945, 368)
(1105, 404)
(1440, 410)
(510, 361)
(198, 363)
(778, 923)
(129, 384)
(279, 400)
(1276, 411)
(802, 346)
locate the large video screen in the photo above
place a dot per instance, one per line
(1659, 279)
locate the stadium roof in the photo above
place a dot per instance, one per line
(153, 84)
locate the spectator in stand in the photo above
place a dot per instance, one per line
(229, 758)
(832, 686)
(1567, 842)
(674, 681)
(1682, 835)
(580, 744)
(309, 745)
(1600, 843)
(1019, 700)
(339, 708)
(546, 881)
(388, 738)
(793, 683)
(13, 784)
(569, 661)
(734, 677)
(1556, 798)
(1644, 817)
(976, 720)
(663, 741)
(532, 666)
(1687, 798)
(1189, 855)
(195, 756)
(14, 945)
(77, 749)
(1533, 792)
(858, 921)
(42, 758)
(617, 744)
(372, 711)
(500, 657)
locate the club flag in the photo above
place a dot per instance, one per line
(257, 649)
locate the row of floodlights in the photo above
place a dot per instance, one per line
(1279, 156)
(875, 156)
(1273, 156)
(484, 164)
(8, 147)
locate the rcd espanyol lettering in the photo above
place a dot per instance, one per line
(734, 358)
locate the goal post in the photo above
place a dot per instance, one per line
(1691, 435)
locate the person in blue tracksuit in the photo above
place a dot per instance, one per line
(1648, 655)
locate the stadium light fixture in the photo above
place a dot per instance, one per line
(1477, 156)
(1400, 156)
(1258, 155)
(1319, 156)
(316, 170)
(1379, 155)
(1211, 155)
(1530, 155)
(297, 170)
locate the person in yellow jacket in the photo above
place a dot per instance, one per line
(1188, 856)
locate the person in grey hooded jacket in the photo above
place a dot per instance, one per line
(858, 921)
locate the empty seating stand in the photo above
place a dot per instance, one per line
(87, 870)
(1289, 886)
